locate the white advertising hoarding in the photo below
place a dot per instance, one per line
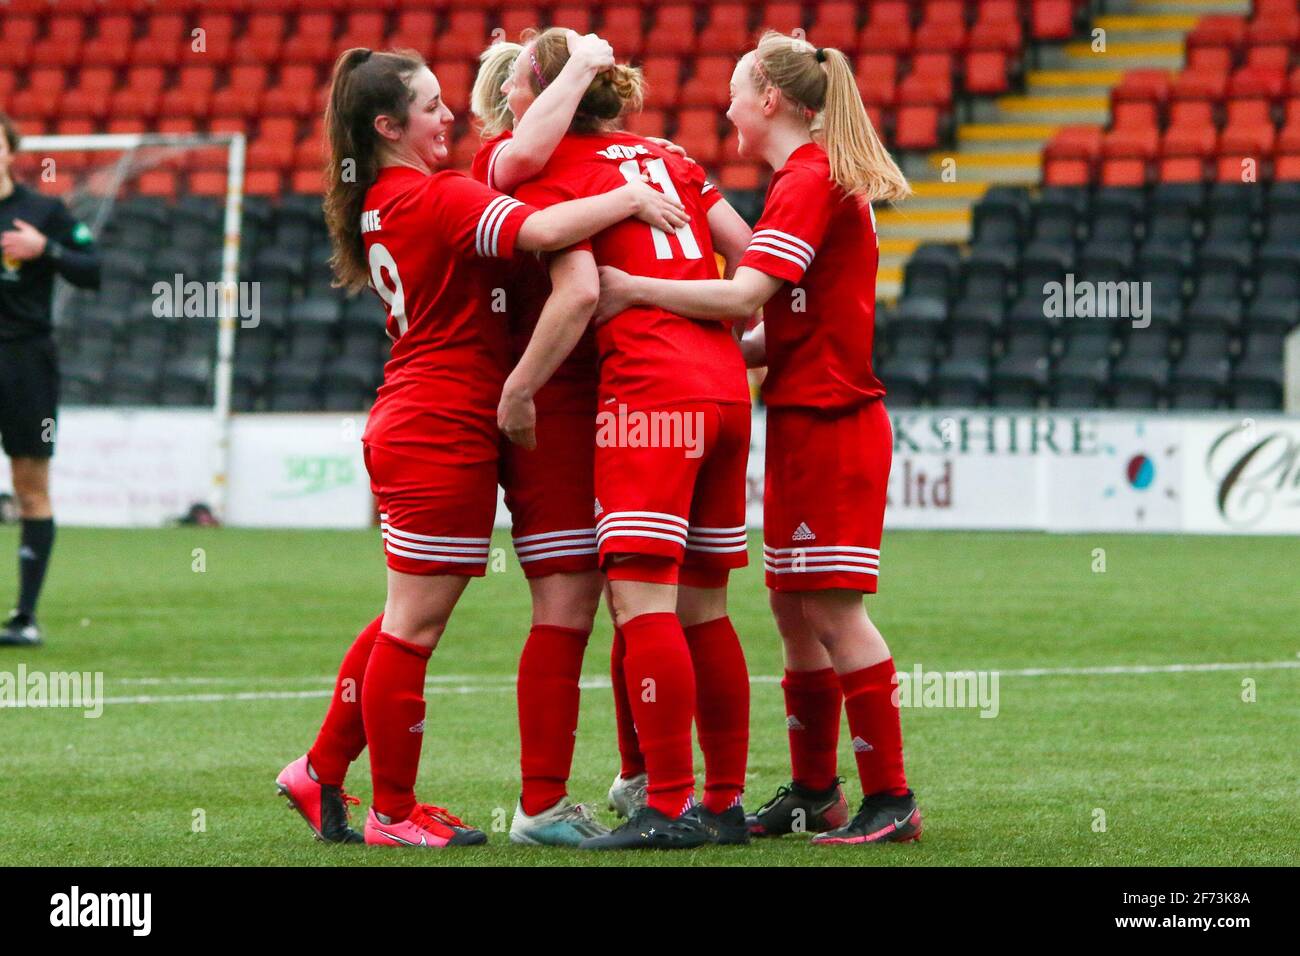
(952, 468)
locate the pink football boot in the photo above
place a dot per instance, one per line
(427, 826)
(324, 807)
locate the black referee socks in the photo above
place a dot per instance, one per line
(33, 556)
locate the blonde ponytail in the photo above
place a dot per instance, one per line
(819, 81)
(486, 101)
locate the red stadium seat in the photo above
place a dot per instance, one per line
(262, 182)
(214, 46)
(710, 86)
(262, 40)
(466, 36)
(1218, 30)
(516, 21)
(986, 72)
(1199, 86)
(1191, 113)
(673, 30)
(888, 29)
(456, 79)
(111, 44)
(17, 37)
(942, 27)
(1126, 154)
(159, 182)
(727, 29)
(649, 122)
(1184, 152)
(274, 146)
(294, 93)
(242, 96)
(574, 17)
(1151, 85)
(1259, 82)
(193, 95)
(364, 28)
(1248, 112)
(141, 96)
(739, 176)
(623, 28)
(1273, 58)
(1129, 113)
(662, 80)
(310, 181)
(1070, 157)
(782, 16)
(1286, 167)
(835, 23)
(1209, 59)
(91, 96)
(917, 127)
(877, 76)
(1274, 30)
(1051, 19)
(62, 43)
(312, 41)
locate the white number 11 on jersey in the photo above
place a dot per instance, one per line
(658, 172)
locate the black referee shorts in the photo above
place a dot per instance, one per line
(29, 396)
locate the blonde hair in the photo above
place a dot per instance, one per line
(819, 82)
(613, 93)
(486, 102)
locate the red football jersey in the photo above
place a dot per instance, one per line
(435, 245)
(821, 322)
(648, 357)
(573, 386)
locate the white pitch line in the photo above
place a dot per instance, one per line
(441, 683)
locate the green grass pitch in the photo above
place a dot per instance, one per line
(1184, 770)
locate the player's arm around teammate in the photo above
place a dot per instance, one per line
(815, 244)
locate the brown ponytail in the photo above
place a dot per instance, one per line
(819, 81)
(613, 92)
(365, 85)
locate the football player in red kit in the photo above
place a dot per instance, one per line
(548, 489)
(811, 267)
(672, 439)
(425, 241)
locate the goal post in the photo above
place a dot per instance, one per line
(142, 151)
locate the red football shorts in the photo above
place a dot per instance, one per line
(436, 515)
(549, 492)
(670, 482)
(824, 497)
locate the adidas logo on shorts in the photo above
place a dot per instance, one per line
(803, 533)
(417, 728)
(860, 746)
(793, 723)
(598, 510)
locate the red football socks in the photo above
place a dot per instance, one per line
(549, 668)
(392, 704)
(812, 720)
(661, 687)
(629, 746)
(874, 723)
(721, 709)
(342, 736)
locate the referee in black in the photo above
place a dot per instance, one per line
(39, 239)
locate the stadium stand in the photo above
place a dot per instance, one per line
(1152, 195)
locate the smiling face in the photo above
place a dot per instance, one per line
(748, 110)
(427, 132)
(517, 89)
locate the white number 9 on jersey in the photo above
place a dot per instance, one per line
(394, 297)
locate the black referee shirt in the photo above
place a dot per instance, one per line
(26, 288)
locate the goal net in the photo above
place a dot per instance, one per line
(166, 212)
